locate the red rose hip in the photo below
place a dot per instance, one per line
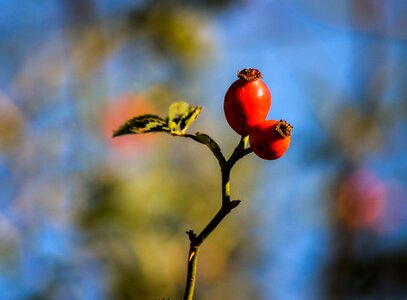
(247, 101)
(270, 139)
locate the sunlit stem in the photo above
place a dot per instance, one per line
(191, 277)
(227, 205)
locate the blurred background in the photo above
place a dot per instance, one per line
(84, 216)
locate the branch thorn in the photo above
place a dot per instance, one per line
(234, 203)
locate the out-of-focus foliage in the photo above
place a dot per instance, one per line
(85, 216)
(138, 226)
(171, 31)
(364, 132)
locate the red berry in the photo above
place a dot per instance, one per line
(247, 101)
(270, 139)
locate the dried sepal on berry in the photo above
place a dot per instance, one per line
(284, 128)
(249, 74)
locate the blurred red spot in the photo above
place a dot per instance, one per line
(361, 200)
(118, 112)
(395, 216)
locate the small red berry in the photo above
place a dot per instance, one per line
(247, 101)
(270, 139)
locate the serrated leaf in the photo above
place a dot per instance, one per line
(189, 117)
(143, 124)
(181, 115)
(177, 110)
(173, 126)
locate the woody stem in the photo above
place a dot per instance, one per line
(226, 207)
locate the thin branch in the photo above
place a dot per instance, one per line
(210, 143)
(240, 151)
(227, 205)
(191, 274)
(221, 214)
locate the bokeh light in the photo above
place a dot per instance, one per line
(84, 216)
(361, 200)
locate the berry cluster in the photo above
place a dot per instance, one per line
(247, 103)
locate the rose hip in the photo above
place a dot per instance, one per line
(270, 139)
(247, 101)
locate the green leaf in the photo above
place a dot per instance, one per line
(182, 115)
(143, 124)
(189, 117)
(177, 110)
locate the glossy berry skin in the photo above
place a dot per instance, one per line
(247, 101)
(270, 139)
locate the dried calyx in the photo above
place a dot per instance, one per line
(249, 74)
(284, 128)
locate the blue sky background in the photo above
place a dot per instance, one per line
(337, 72)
